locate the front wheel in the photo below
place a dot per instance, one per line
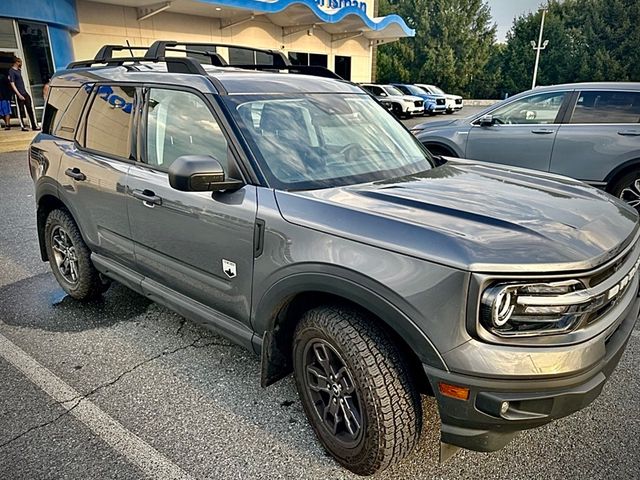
(70, 257)
(355, 389)
(628, 189)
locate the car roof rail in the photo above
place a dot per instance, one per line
(157, 53)
(174, 64)
(158, 49)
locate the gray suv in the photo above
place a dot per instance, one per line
(294, 215)
(588, 131)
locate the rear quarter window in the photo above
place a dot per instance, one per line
(63, 110)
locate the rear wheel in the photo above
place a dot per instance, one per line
(627, 189)
(355, 389)
(70, 257)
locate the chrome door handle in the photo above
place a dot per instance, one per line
(149, 198)
(542, 131)
(75, 173)
(629, 133)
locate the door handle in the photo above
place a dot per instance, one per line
(629, 133)
(543, 131)
(75, 173)
(149, 199)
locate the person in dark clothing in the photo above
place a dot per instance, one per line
(22, 96)
(5, 101)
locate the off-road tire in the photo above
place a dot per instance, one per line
(391, 405)
(89, 284)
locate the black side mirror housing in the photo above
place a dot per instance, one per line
(200, 173)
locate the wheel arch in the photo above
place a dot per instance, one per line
(451, 148)
(620, 171)
(284, 303)
(47, 201)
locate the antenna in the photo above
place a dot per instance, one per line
(130, 49)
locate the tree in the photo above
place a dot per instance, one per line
(589, 40)
(453, 43)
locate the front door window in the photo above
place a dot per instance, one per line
(537, 109)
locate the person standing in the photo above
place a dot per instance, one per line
(23, 98)
(5, 101)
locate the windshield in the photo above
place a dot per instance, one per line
(437, 90)
(413, 90)
(312, 141)
(392, 90)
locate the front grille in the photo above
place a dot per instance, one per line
(441, 101)
(418, 103)
(458, 101)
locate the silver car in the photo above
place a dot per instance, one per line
(589, 131)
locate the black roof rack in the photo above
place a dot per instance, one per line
(157, 53)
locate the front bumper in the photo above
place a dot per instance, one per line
(478, 424)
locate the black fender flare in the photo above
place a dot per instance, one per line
(632, 164)
(280, 294)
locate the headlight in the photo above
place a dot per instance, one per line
(519, 309)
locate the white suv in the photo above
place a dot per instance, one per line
(454, 102)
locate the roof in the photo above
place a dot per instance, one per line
(232, 80)
(348, 18)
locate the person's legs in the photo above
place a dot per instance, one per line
(7, 122)
(21, 115)
(30, 112)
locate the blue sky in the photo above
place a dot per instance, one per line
(504, 11)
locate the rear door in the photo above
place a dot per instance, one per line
(195, 243)
(522, 133)
(93, 169)
(602, 132)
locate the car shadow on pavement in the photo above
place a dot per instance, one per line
(39, 302)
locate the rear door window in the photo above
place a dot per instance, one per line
(607, 107)
(110, 121)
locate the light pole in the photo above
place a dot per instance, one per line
(540, 46)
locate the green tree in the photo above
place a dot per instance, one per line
(589, 40)
(452, 47)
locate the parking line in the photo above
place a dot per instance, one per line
(136, 450)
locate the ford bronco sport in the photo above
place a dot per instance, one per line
(294, 215)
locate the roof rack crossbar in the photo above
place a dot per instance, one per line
(158, 49)
(215, 58)
(106, 51)
(174, 64)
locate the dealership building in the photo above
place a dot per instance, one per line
(339, 34)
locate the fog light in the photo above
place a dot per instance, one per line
(504, 408)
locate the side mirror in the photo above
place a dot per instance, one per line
(200, 173)
(486, 121)
(383, 94)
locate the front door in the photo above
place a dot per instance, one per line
(197, 244)
(522, 133)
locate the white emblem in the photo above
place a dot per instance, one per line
(229, 268)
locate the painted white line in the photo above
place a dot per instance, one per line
(136, 450)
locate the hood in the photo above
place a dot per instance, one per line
(453, 97)
(407, 98)
(434, 125)
(476, 217)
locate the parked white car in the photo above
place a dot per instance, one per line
(402, 106)
(454, 102)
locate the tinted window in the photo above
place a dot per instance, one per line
(180, 123)
(66, 128)
(110, 120)
(535, 109)
(343, 66)
(607, 107)
(59, 99)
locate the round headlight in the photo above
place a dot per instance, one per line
(499, 303)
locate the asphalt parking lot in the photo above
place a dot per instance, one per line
(123, 389)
